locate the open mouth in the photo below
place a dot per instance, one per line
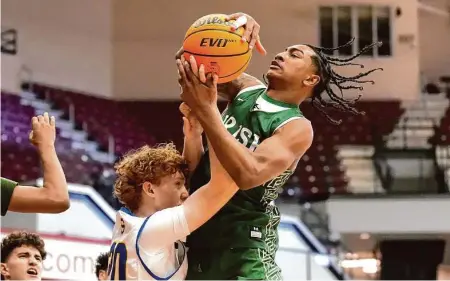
(32, 271)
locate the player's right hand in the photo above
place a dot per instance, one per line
(191, 126)
(251, 33)
(43, 132)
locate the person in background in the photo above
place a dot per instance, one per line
(22, 254)
(101, 266)
(54, 196)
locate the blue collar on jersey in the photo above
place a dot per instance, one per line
(127, 211)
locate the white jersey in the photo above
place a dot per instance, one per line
(149, 248)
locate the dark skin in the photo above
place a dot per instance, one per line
(292, 77)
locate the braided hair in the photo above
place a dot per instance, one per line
(329, 78)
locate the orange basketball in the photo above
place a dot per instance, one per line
(213, 44)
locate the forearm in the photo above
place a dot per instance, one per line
(237, 160)
(55, 184)
(206, 202)
(193, 151)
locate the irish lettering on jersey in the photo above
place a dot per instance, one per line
(243, 134)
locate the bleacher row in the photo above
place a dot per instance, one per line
(133, 124)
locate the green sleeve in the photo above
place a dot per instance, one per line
(7, 191)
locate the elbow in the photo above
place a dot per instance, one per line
(63, 205)
(247, 179)
(60, 203)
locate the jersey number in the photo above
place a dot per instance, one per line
(117, 261)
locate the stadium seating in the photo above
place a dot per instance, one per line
(320, 170)
(135, 123)
(101, 118)
(20, 159)
(442, 132)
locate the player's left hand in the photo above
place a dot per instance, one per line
(251, 33)
(199, 91)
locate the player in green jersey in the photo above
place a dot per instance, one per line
(259, 139)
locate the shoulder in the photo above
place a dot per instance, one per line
(297, 133)
(7, 187)
(231, 89)
(6, 183)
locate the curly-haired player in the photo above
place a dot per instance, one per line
(22, 256)
(149, 233)
(264, 136)
(101, 265)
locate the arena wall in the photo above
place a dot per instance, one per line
(125, 49)
(63, 42)
(435, 45)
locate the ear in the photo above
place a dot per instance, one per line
(4, 270)
(311, 80)
(148, 188)
(102, 275)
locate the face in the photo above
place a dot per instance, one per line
(171, 192)
(24, 263)
(294, 66)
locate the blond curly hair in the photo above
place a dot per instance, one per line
(145, 164)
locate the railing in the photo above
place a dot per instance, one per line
(404, 127)
(442, 167)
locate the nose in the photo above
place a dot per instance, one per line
(280, 57)
(32, 261)
(184, 194)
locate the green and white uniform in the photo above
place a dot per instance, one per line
(241, 240)
(7, 187)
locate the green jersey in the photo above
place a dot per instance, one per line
(7, 187)
(250, 218)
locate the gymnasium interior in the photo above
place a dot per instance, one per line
(368, 201)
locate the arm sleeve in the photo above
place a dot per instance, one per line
(164, 228)
(7, 187)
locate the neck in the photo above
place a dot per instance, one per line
(145, 210)
(294, 96)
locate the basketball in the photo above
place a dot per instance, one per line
(213, 44)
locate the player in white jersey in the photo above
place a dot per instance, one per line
(148, 236)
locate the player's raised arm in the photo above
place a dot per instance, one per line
(53, 197)
(193, 141)
(210, 198)
(171, 224)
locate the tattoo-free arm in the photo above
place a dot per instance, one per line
(271, 158)
(53, 197)
(193, 151)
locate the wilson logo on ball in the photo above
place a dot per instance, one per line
(211, 20)
(215, 42)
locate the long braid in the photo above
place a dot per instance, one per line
(329, 77)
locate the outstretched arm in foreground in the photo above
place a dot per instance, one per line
(53, 197)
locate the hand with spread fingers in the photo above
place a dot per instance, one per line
(199, 90)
